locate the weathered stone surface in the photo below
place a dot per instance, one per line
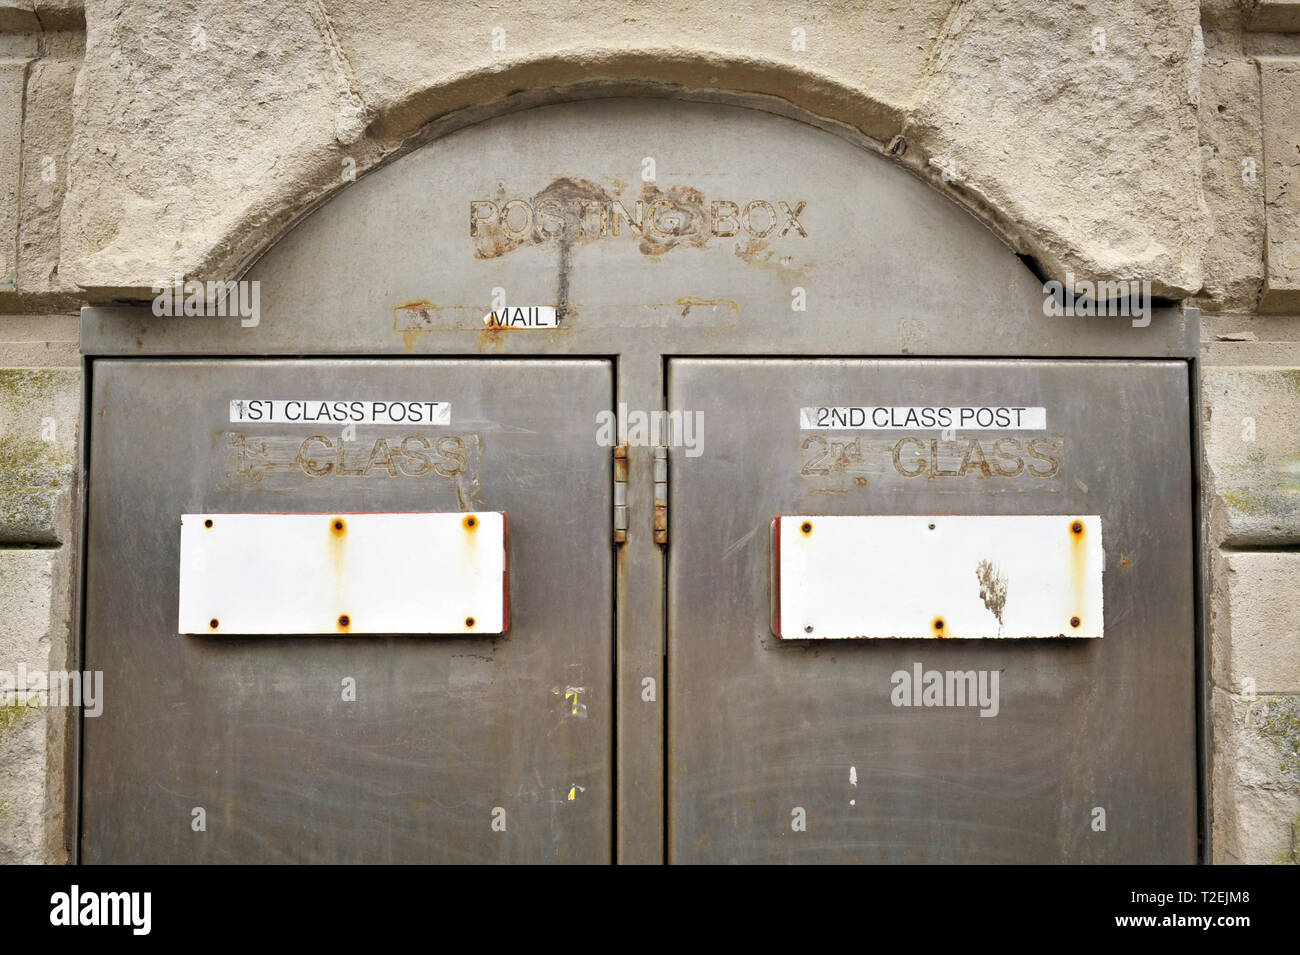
(17, 16)
(995, 111)
(1002, 90)
(197, 123)
(1256, 787)
(1280, 92)
(38, 438)
(1231, 174)
(40, 341)
(27, 581)
(61, 14)
(47, 127)
(1252, 447)
(1262, 638)
(1282, 16)
(13, 79)
(22, 783)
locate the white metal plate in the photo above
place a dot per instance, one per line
(971, 577)
(413, 573)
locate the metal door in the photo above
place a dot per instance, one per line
(793, 750)
(452, 748)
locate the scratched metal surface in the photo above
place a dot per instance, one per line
(759, 726)
(443, 729)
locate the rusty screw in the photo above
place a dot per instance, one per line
(214, 623)
(938, 623)
(471, 522)
(338, 525)
(806, 527)
(1077, 527)
(1074, 621)
(469, 621)
(344, 620)
(208, 522)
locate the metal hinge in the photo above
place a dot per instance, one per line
(620, 494)
(661, 495)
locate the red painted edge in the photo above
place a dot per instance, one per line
(505, 572)
(776, 575)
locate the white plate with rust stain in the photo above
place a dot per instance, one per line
(945, 576)
(401, 573)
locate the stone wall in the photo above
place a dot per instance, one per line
(41, 52)
(1111, 139)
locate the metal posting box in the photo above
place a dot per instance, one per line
(640, 372)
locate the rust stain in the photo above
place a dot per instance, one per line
(1078, 563)
(413, 319)
(420, 317)
(415, 305)
(338, 543)
(492, 238)
(661, 522)
(491, 338)
(754, 251)
(470, 523)
(806, 527)
(1124, 563)
(667, 218)
(938, 627)
(683, 206)
(688, 302)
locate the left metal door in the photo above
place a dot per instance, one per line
(248, 748)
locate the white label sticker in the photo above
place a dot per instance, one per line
(342, 411)
(536, 316)
(930, 418)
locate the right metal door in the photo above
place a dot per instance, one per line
(797, 750)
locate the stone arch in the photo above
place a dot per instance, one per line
(784, 90)
(226, 223)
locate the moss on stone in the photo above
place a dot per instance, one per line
(1244, 501)
(33, 473)
(1281, 725)
(25, 385)
(11, 713)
